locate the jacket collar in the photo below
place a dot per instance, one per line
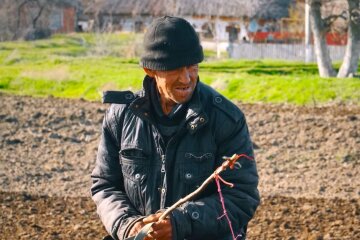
(195, 118)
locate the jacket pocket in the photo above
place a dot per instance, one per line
(135, 164)
(195, 169)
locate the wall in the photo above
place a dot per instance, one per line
(294, 52)
(62, 20)
(219, 26)
(68, 20)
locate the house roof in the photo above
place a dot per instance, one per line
(232, 8)
(225, 8)
(274, 9)
(66, 3)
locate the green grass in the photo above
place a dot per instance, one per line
(84, 65)
(280, 82)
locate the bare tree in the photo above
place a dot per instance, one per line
(36, 7)
(7, 23)
(319, 29)
(321, 25)
(20, 16)
(349, 66)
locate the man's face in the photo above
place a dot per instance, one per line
(175, 86)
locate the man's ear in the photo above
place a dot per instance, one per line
(149, 72)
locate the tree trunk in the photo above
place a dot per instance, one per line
(18, 19)
(350, 63)
(36, 18)
(321, 49)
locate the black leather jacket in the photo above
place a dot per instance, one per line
(136, 174)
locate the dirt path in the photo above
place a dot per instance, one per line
(308, 161)
(42, 217)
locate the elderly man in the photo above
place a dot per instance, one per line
(160, 144)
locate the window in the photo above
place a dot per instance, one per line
(56, 19)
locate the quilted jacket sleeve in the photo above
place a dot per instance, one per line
(113, 206)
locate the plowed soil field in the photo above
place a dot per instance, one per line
(308, 160)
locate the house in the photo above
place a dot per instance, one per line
(57, 16)
(33, 19)
(217, 20)
(63, 17)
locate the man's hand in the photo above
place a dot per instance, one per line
(136, 228)
(160, 230)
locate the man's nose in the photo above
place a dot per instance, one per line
(185, 75)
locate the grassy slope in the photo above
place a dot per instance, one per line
(83, 65)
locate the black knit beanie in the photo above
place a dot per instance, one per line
(170, 43)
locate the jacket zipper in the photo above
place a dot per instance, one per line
(163, 170)
(162, 189)
(163, 181)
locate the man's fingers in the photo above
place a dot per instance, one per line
(161, 230)
(136, 228)
(160, 233)
(160, 224)
(151, 218)
(148, 238)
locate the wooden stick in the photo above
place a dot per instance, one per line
(228, 163)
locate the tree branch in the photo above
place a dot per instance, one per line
(38, 14)
(229, 162)
(328, 21)
(18, 16)
(355, 16)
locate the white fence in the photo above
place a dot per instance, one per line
(293, 52)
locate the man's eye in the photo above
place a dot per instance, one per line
(170, 72)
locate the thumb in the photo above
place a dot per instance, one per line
(149, 219)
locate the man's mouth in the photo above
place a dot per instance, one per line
(183, 91)
(182, 88)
